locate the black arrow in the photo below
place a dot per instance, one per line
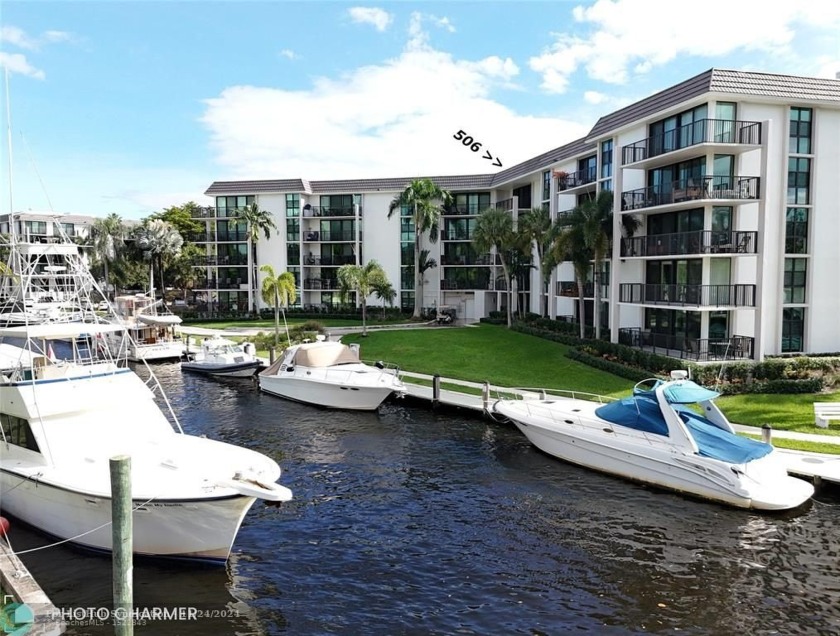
(497, 162)
(487, 155)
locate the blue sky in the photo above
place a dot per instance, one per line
(132, 107)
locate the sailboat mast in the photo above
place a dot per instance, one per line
(12, 229)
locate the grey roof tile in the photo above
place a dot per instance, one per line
(255, 187)
(572, 149)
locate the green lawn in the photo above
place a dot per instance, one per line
(494, 354)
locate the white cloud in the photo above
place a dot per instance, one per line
(289, 54)
(370, 15)
(17, 63)
(594, 97)
(18, 38)
(395, 118)
(636, 36)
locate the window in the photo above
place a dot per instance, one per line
(588, 168)
(293, 254)
(292, 229)
(524, 194)
(793, 329)
(796, 270)
(18, 432)
(292, 205)
(606, 159)
(407, 229)
(231, 206)
(800, 131)
(473, 203)
(799, 179)
(546, 186)
(796, 231)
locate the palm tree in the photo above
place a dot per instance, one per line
(108, 235)
(494, 229)
(569, 245)
(257, 221)
(279, 291)
(159, 242)
(426, 200)
(385, 292)
(362, 280)
(535, 229)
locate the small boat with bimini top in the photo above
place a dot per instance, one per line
(153, 333)
(330, 374)
(220, 356)
(669, 434)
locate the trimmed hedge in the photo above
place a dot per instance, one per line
(802, 374)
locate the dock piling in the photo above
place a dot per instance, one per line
(485, 396)
(121, 544)
(766, 433)
(435, 390)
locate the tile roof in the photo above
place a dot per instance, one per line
(761, 85)
(255, 187)
(572, 149)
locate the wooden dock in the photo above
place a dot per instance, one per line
(478, 397)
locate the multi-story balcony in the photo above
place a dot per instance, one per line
(697, 242)
(577, 179)
(678, 295)
(569, 289)
(723, 190)
(723, 136)
(314, 210)
(216, 237)
(463, 210)
(698, 349)
(466, 259)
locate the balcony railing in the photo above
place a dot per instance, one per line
(504, 204)
(698, 349)
(577, 179)
(696, 189)
(463, 210)
(329, 260)
(239, 259)
(717, 131)
(321, 283)
(569, 289)
(693, 295)
(697, 242)
(314, 210)
(464, 259)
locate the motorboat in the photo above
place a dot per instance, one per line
(330, 374)
(68, 405)
(668, 433)
(220, 356)
(153, 333)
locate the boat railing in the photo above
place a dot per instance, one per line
(154, 385)
(525, 393)
(386, 367)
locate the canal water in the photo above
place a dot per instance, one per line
(409, 521)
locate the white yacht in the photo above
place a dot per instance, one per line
(330, 374)
(68, 405)
(220, 356)
(669, 434)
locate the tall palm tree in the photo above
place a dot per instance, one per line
(279, 291)
(108, 235)
(258, 221)
(427, 201)
(494, 229)
(159, 242)
(569, 245)
(361, 279)
(535, 229)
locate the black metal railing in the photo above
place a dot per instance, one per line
(239, 259)
(504, 204)
(569, 288)
(314, 210)
(463, 210)
(687, 348)
(696, 295)
(696, 242)
(577, 178)
(321, 283)
(697, 189)
(718, 131)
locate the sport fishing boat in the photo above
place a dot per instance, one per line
(68, 404)
(220, 356)
(669, 434)
(330, 374)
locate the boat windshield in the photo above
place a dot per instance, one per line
(640, 412)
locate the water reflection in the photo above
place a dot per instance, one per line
(412, 521)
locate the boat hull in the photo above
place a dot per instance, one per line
(326, 394)
(202, 529)
(645, 461)
(239, 370)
